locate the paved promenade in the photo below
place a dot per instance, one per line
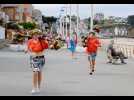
(64, 76)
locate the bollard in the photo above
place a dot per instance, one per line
(122, 49)
(125, 51)
(128, 51)
(132, 55)
(132, 51)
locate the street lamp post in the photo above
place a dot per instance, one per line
(70, 18)
(92, 14)
(77, 29)
(66, 19)
(60, 24)
(63, 27)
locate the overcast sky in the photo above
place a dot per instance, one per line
(119, 10)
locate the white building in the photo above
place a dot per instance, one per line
(99, 16)
(117, 19)
(83, 27)
(117, 30)
(4, 17)
(37, 17)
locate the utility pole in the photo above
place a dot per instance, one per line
(63, 33)
(66, 19)
(77, 29)
(92, 17)
(70, 19)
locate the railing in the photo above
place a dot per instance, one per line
(125, 45)
(127, 49)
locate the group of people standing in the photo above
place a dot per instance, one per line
(72, 43)
(37, 46)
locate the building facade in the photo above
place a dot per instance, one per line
(99, 16)
(27, 14)
(117, 30)
(10, 10)
(37, 17)
(18, 12)
(131, 32)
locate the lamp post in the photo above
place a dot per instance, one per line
(77, 29)
(92, 14)
(66, 19)
(63, 33)
(60, 24)
(70, 18)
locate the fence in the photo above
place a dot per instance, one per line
(127, 49)
(125, 45)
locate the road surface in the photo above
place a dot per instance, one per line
(65, 76)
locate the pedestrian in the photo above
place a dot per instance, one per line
(84, 39)
(113, 54)
(92, 47)
(72, 44)
(36, 47)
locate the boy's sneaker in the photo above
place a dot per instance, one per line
(38, 90)
(125, 57)
(109, 62)
(123, 62)
(33, 91)
(93, 70)
(90, 73)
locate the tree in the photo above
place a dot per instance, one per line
(12, 25)
(95, 22)
(73, 18)
(101, 22)
(131, 20)
(1, 22)
(28, 25)
(49, 20)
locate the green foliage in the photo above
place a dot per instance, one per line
(95, 22)
(131, 20)
(1, 22)
(28, 25)
(18, 38)
(49, 20)
(12, 26)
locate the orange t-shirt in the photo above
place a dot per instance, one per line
(36, 45)
(92, 45)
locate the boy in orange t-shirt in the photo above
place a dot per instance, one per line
(36, 48)
(92, 48)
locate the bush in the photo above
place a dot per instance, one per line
(18, 38)
(28, 25)
(12, 26)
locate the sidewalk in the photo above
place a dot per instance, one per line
(64, 76)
